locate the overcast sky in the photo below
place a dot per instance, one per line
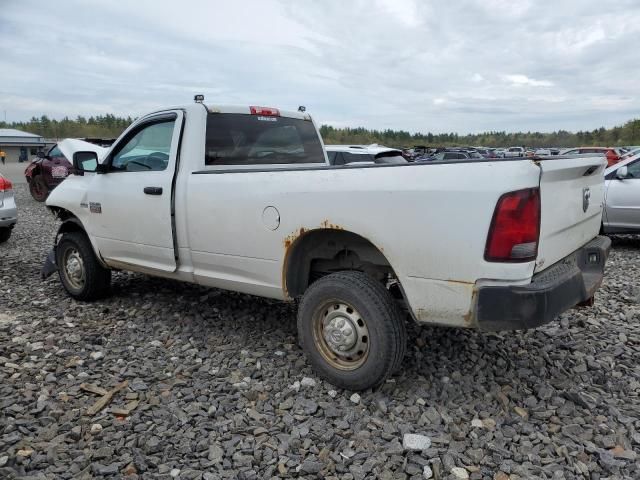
(439, 66)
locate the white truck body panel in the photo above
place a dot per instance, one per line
(234, 226)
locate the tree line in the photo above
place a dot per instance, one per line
(101, 126)
(110, 126)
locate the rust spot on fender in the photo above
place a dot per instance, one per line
(468, 317)
(289, 239)
(288, 242)
(328, 224)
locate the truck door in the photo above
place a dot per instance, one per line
(130, 204)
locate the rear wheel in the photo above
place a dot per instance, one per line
(351, 330)
(38, 188)
(5, 233)
(80, 272)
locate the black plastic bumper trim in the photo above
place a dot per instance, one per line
(564, 285)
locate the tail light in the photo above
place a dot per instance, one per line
(265, 111)
(5, 184)
(515, 227)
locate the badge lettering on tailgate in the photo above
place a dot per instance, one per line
(95, 207)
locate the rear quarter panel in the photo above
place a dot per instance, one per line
(429, 220)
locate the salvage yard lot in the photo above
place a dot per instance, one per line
(223, 391)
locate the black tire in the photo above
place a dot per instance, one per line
(73, 252)
(5, 233)
(38, 188)
(383, 324)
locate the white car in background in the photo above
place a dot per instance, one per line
(543, 151)
(622, 197)
(513, 152)
(8, 210)
(373, 154)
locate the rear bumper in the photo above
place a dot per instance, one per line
(571, 281)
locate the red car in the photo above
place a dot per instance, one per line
(613, 154)
(48, 170)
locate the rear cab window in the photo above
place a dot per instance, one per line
(243, 140)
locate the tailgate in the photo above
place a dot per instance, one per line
(571, 196)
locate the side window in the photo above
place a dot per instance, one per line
(148, 149)
(332, 157)
(634, 169)
(55, 152)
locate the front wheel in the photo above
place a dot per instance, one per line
(80, 272)
(351, 330)
(38, 188)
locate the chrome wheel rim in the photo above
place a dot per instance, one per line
(73, 268)
(341, 335)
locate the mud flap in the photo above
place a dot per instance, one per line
(49, 266)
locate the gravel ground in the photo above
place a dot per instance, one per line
(218, 388)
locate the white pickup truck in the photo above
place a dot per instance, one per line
(244, 199)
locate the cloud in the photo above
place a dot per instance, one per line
(465, 66)
(404, 11)
(520, 80)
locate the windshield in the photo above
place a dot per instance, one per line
(239, 139)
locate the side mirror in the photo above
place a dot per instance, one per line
(41, 154)
(85, 162)
(622, 173)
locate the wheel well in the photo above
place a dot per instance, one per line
(36, 171)
(320, 252)
(70, 223)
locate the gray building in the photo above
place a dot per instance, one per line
(17, 144)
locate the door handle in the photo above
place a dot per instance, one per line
(153, 190)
